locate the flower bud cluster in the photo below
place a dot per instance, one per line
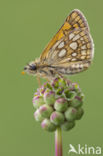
(58, 104)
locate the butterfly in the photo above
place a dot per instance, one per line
(69, 52)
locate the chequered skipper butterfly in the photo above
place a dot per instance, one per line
(69, 52)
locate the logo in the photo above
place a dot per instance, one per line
(79, 149)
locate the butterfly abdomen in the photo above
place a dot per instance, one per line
(74, 68)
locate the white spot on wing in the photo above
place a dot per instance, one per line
(86, 65)
(83, 47)
(74, 54)
(61, 45)
(71, 36)
(55, 45)
(73, 45)
(81, 66)
(73, 65)
(83, 52)
(76, 37)
(74, 59)
(83, 42)
(62, 53)
(67, 59)
(83, 57)
(77, 65)
(81, 39)
(62, 70)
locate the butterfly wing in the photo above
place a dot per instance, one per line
(71, 47)
(74, 20)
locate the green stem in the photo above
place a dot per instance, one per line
(58, 142)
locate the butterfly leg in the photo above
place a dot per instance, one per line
(38, 79)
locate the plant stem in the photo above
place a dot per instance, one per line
(58, 142)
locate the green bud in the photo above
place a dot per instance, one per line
(41, 90)
(80, 113)
(36, 94)
(61, 105)
(59, 91)
(67, 125)
(70, 114)
(57, 118)
(49, 97)
(76, 86)
(69, 94)
(81, 95)
(38, 116)
(45, 110)
(49, 86)
(47, 90)
(58, 104)
(38, 101)
(47, 125)
(62, 83)
(55, 83)
(76, 102)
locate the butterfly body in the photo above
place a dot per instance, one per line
(69, 52)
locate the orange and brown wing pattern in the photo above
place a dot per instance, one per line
(74, 20)
(77, 20)
(66, 27)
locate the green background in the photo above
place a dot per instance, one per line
(26, 26)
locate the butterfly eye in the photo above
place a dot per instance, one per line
(25, 68)
(33, 67)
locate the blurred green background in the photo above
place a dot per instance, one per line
(26, 26)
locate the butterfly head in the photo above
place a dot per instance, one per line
(31, 68)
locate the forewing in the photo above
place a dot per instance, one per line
(74, 21)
